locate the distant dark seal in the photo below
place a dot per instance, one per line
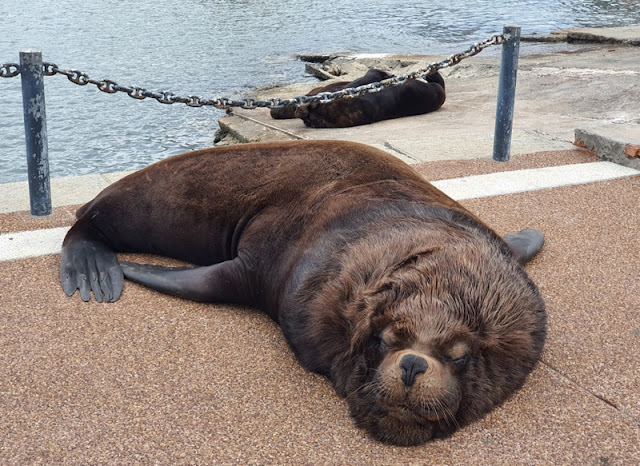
(371, 76)
(415, 97)
(418, 313)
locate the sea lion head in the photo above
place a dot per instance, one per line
(449, 335)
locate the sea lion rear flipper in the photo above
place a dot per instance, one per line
(213, 283)
(88, 265)
(525, 244)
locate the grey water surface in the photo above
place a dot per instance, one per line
(217, 48)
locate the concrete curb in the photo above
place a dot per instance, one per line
(64, 191)
(627, 35)
(610, 148)
(246, 129)
(532, 179)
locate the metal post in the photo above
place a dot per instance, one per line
(35, 130)
(506, 93)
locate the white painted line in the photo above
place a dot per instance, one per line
(33, 243)
(40, 242)
(532, 179)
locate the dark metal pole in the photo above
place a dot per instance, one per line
(506, 93)
(35, 130)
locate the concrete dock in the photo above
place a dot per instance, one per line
(153, 379)
(590, 88)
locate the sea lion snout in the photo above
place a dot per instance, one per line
(411, 371)
(412, 366)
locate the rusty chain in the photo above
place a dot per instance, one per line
(9, 70)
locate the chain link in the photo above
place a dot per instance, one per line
(9, 70)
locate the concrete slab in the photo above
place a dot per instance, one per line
(614, 35)
(624, 34)
(64, 191)
(448, 145)
(244, 128)
(417, 139)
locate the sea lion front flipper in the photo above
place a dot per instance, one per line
(88, 265)
(525, 244)
(214, 283)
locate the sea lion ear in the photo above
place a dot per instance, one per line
(525, 244)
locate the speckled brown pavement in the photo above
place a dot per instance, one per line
(153, 379)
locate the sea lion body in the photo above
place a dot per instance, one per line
(371, 76)
(414, 97)
(419, 314)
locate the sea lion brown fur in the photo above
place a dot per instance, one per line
(418, 313)
(371, 76)
(415, 97)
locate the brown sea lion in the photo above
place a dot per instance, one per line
(371, 76)
(417, 312)
(415, 97)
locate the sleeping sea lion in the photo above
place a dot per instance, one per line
(418, 313)
(414, 97)
(371, 76)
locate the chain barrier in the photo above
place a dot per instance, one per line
(9, 70)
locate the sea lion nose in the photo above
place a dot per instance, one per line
(412, 366)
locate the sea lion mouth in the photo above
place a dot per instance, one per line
(406, 413)
(400, 425)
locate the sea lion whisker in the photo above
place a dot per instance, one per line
(449, 416)
(438, 406)
(367, 386)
